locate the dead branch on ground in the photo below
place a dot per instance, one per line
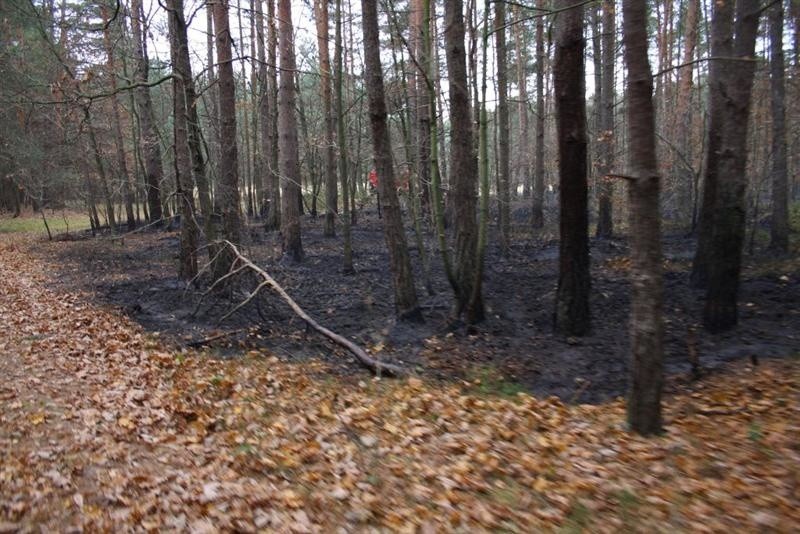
(242, 264)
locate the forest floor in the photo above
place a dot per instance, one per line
(109, 421)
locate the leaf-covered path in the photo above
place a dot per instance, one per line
(102, 428)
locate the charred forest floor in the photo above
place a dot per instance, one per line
(515, 349)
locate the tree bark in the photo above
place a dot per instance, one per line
(721, 46)
(119, 141)
(273, 220)
(524, 148)
(605, 220)
(504, 153)
(537, 213)
(683, 118)
(572, 298)
(228, 186)
(405, 293)
(187, 265)
(289, 164)
(463, 168)
(646, 327)
(779, 231)
(721, 312)
(341, 142)
(331, 196)
(153, 165)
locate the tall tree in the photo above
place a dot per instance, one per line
(463, 168)
(341, 141)
(504, 149)
(119, 141)
(725, 261)
(537, 217)
(187, 265)
(273, 187)
(684, 115)
(329, 169)
(572, 297)
(644, 398)
(779, 234)
(605, 220)
(524, 148)
(228, 186)
(153, 166)
(721, 46)
(405, 293)
(289, 161)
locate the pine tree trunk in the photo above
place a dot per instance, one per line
(273, 221)
(524, 145)
(406, 305)
(289, 163)
(153, 166)
(646, 327)
(683, 117)
(572, 298)
(537, 214)
(119, 141)
(187, 265)
(463, 168)
(329, 168)
(504, 170)
(721, 46)
(725, 260)
(228, 186)
(341, 141)
(605, 220)
(779, 234)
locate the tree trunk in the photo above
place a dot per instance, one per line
(405, 293)
(524, 148)
(119, 141)
(228, 186)
(289, 164)
(463, 168)
(503, 172)
(341, 141)
(646, 327)
(263, 112)
(331, 196)
(721, 312)
(779, 234)
(605, 220)
(721, 46)
(683, 118)
(273, 221)
(187, 265)
(572, 298)
(537, 213)
(153, 165)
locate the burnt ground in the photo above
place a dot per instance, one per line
(514, 349)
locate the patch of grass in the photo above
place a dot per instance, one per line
(32, 223)
(629, 503)
(577, 520)
(488, 382)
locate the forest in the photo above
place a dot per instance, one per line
(400, 265)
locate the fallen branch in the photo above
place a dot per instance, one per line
(243, 263)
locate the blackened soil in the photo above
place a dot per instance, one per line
(515, 348)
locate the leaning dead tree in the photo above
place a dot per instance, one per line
(241, 265)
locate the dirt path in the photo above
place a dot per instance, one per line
(102, 429)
